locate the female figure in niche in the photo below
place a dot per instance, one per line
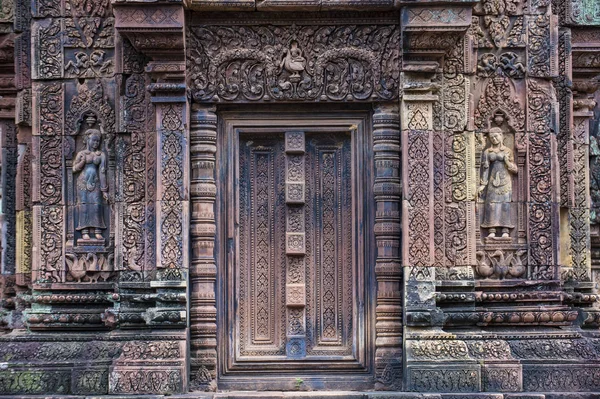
(497, 165)
(91, 186)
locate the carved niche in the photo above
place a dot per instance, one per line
(501, 251)
(500, 157)
(89, 172)
(307, 60)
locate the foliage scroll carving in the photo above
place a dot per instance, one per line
(297, 62)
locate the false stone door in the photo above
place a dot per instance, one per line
(294, 205)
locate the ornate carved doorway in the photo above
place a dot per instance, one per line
(295, 248)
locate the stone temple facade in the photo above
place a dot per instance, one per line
(374, 198)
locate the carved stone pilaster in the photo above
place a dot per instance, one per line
(172, 201)
(582, 205)
(581, 233)
(8, 220)
(152, 49)
(24, 210)
(388, 269)
(203, 270)
(418, 200)
(8, 146)
(578, 255)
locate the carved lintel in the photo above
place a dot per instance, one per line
(581, 12)
(586, 52)
(293, 62)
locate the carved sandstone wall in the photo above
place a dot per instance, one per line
(369, 195)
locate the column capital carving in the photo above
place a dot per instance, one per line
(156, 30)
(433, 29)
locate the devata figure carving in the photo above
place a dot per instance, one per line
(497, 165)
(92, 186)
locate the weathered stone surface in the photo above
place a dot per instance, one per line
(300, 198)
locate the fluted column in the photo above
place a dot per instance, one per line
(203, 270)
(388, 270)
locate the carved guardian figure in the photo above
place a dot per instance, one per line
(92, 186)
(497, 166)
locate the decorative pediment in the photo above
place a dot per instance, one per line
(306, 60)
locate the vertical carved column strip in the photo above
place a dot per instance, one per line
(564, 137)
(388, 269)
(172, 197)
(23, 194)
(579, 213)
(47, 195)
(544, 189)
(563, 84)
(203, 270)
(171, 191)
(8, 140)
(295, 244)
(8, 218)
(543, 210)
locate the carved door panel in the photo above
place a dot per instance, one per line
(295, 261)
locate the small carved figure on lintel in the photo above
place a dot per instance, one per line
(293, 61)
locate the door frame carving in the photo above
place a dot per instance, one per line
(280, 373)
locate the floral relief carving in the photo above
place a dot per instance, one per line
(51, 219)
(136, 350)
(584, 12)
(489, 349)
(542, 54)
(172, 182)
(540, 181)
(81, 8)
(146, 381)
(419, 179)
(49, 51)
(448, 349)
(297, 62)
(498, 7)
